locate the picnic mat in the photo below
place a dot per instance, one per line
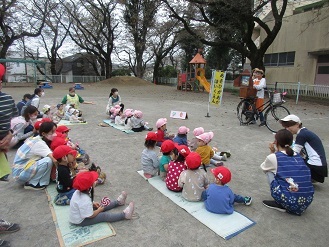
(118, 127)
(70, 235)
(225, 225)
(67, 122)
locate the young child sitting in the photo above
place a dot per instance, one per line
(137, 122)
(161, 132)
(59, 113)
(119, 117)
(128, 114)
(176, 166)
(181, 137)
(166, 149)
(72, 115)
(149, 158)
(193, 180)
(207, 154)
(219, 198)
(65, 157)
(193, 145)
(82, 204)
(48, 111)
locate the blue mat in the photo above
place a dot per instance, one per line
(225, 225)
(70, 235)
(118, 127)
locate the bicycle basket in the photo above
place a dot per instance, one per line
(277, 98)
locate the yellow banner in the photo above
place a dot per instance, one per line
(217, 87)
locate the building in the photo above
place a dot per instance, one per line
(300, 52)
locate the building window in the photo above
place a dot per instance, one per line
(279, 59)
(323, 70)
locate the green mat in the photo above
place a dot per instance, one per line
(71, 235)
(118, 127)
(225, 225)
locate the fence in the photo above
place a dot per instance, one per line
(71, 78)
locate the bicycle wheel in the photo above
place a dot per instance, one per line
(245, 111)
(273, 115)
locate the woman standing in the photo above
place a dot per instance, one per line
(34, 161)
(288, 176)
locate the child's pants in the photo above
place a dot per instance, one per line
(104, 216)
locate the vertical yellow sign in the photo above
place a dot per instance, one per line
(217, 87)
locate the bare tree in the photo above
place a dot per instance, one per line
(139, 18)
(93, 29)
(231, 23)
(21, 19)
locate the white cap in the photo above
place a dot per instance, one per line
(293, 118)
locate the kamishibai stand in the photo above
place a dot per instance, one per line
(245, 83)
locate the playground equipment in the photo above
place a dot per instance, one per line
(194, 79)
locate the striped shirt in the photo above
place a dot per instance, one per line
(8, 110)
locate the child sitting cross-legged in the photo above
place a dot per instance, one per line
(119, 117)
(65, 157)
(193, 180)
(166, 149)
(218, 197)
(84, 211)
(137, 122)
(162, 135)
(181, 137)
(149, 158)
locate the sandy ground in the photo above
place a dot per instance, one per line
(161, 222)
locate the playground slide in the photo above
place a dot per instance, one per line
(203, 81)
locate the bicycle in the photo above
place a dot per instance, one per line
(273, 108)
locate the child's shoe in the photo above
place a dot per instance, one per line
(223, 157)
(247, 200)
(129, 211)
(228, 154)
(122, 198)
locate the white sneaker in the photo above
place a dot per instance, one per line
(129, 211)
(122, 198)
(224, 157)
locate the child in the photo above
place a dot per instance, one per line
(72, 115)
(137, 123)
(128, 114)
(149, 158)
(161, 132)
(59, 113)
(176, 166)
(207, 154)
(181, 137)
(114, 99)
(219, 198)
(65, 157)
(194, 142)
(193, 180)
(166, 148)
(119, 117)
(82, 211)
(48, 111)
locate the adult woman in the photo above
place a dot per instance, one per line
(34, 161)
(114, 99)
(310, 146)
(35, 100)
(22, 126)
(74, 99)
(288, 176)
(259, 83)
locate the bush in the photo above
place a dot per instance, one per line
(120, 72)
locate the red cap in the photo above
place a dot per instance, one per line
(222, 173)
(151, 136)
(39, 122)
(167, 146)
(62, 151)
(58, 140)
(62, 129)
(193, 160)
(84, 180)
(2, 71)
(183, 150)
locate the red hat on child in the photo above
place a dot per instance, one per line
(222, 173)
(39, 122)
(58, 140)
(62, 151)
(62, 129)
(183, 150)
(193, 160)
(2, 71)
(151, 136)
(84, 180)
(167, 146)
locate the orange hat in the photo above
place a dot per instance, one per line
(167, 146)
(193, 160)
(222, 173)
(62, 151)
(62, 129)
(151, 136)
(84, 180)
